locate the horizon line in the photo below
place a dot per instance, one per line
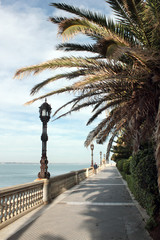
(48, 163)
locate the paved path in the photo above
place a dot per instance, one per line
(100, 208)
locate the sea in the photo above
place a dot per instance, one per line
(18, 173)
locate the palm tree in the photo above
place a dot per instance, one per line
(123, 74)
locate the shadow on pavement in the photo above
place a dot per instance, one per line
(50, 237)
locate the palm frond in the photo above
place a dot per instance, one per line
(152, 16)
(62, 90)
(102, 109)
(75, 47)
(129, 12)
(154, 8)
(38, 86)
(57, 19)
(57, 63)
(69, 75)
(96, 130)
(74, 26)
(77, 100)
(94, 17)
(120, 11)
(110, 144)
(75, 108)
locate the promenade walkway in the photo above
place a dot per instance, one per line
(100, 208)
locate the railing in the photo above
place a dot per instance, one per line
(20, 199)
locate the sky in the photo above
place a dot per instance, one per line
(26, 38)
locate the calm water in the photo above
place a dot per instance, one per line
(14, 173)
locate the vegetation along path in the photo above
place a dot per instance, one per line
(100, 208)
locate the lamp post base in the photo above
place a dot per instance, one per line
(44, 173)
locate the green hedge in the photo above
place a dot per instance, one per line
(123, 166)
(126, 166)
(141, 175)
(146, 199)
(120, 165)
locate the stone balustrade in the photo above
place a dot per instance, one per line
(18, 200)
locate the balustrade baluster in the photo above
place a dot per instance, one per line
(5, 209)
(9, 207)
(11, 202)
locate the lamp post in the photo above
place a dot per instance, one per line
(45, 111)
(104, 159)
(92, 147)
(100, 158)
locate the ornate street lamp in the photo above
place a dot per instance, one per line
(45, 112)
(92, 147)
(100, 158)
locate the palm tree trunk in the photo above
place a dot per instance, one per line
(136, 141)
(157, 153)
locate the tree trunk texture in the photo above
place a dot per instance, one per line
(157, 152)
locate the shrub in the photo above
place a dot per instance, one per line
(150, 224)
(126, 166)
(120, 165)
(146, 199)
(143, 179)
